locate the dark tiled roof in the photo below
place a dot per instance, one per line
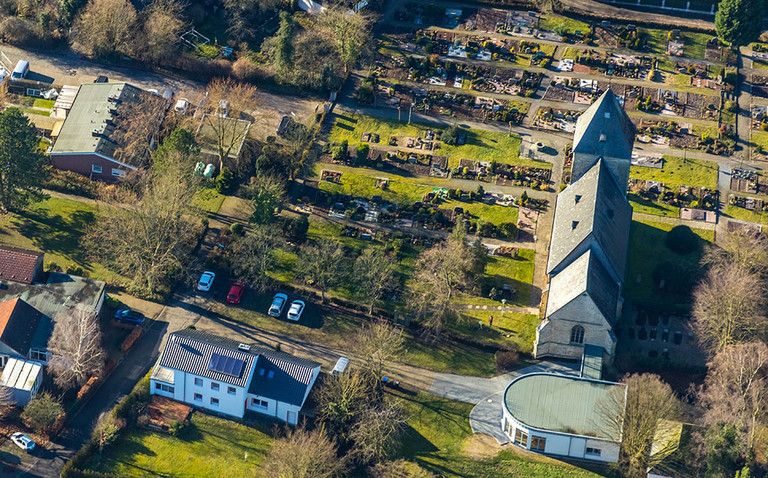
(592, 212)
(18, 323)
(18, 265)
(190, 351)
(605, 129)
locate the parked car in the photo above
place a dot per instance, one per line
(23, 441)
(297, 307)
(278, 302)
(206, 281)
(236, 293)
(128, 316)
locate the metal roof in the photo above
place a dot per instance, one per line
(20, 374)
(591, 211)
(592, 362)
(562, 403)
(605, 129)
(288, 380)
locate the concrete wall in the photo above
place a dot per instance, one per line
(553, 336)
(561, 444)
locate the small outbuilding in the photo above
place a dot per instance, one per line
(23, 378)
(560, 415)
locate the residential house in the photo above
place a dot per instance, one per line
(590, 238)
(226, 376)
(20, 265)
(23, 378)
(99, 137)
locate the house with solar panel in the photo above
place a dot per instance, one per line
(226, 376)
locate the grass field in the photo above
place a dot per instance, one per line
(695, 45)
(439, 439)
(550, 21)
(209, 200)
(736, 212)
(647, 250)
(32, 111)
(681, 79)
(517, 272)
(759, 138)
(571, 53)
(678, 171)
(56, 227)
(480, 144)
(43, 103)
(210, 447)
(640, 205)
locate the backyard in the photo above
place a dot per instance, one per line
(480, 145)
(210, 447)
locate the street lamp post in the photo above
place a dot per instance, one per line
(409, 112)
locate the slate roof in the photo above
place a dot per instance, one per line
(585, 274)
(561, 403)
(190, 351)
(18, 323)
(593, 210)
(605, 129)
(18, 264)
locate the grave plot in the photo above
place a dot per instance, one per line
(490, 20)
(760, 117)
(556, 119)
(759, 85)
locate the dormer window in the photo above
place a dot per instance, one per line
(603, 138)
(578, 198)
(607, 115)
(574, 224)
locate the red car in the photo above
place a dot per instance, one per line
(236, 293)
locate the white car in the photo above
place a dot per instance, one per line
(297, 307)
(278, 302)
(206, 281)
(23, 441)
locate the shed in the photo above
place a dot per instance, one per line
(23, 378)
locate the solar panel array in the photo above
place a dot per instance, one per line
(227, 365)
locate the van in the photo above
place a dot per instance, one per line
(21, 70)
(340, 367)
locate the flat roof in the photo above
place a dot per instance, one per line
(561, 403)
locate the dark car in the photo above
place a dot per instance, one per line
(236, 293)
(128, 316)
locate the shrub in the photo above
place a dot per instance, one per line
(237, 228)
(53, 267)
(506, 361)
(41, 413)
(225, 180)
(450, 135)
(508, 229)
(682, 240)
(362, 151)
(177, 427)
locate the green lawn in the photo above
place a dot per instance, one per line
(571, 53)
(480, 144)
(759, 64)
(56, 226)
(682, 79)
(640, 205)
(695, 45)
(43, 103)
(438, 439)
(32, 111)
(678, 171)
(209, 200)
(211, 447)
(513, 329)
(550, 21)
(517, 272)
(657, 40)
(759, 138)
(736, 212)
(647, 251)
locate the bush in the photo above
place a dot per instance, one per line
(450, 135)
(506, 361)
(237, 229)
(682, 240)
(177, 427)
(362, 151)
(296, 229)
(508, 229)
(225, 181)
(41, 413)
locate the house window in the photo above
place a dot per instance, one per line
(231, 390)
(39, 355)
(593, 451)
(199, 382)
(255, 402)
(199, 397)
(521, 438)
(271, 374)
(215, 402)
(95, 168)
(3, 360)
(538, 443)
(214, 386)
(577, 334)
(163, 387)
(118, 172)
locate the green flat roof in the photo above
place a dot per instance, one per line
(560, 403)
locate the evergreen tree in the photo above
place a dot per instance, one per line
(22, 172)
(739, 22)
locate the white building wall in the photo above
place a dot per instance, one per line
(229, 404)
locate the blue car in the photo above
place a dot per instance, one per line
(128, 316)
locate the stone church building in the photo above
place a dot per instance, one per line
(590, 236)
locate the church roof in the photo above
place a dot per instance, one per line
(605, 129)
(591, 209)
(588, 275)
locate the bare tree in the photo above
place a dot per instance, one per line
(735, 390)
(398, 469)
(746, 249)
(104, 27)
(254, 255)
(729, 306)
(148, 235)
(229, 105)
(162, 27)
(377, 433)
(374, 274)
(7, 402)
(303, 454)
(643, 421)
(341, 399)
(379, 343)
(351, 32)
(136, 124)
(75, 348)
(323, 265)
(442, 273)
(107, 430)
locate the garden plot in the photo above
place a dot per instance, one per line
(760, 117)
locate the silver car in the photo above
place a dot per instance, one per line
(278, 302)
